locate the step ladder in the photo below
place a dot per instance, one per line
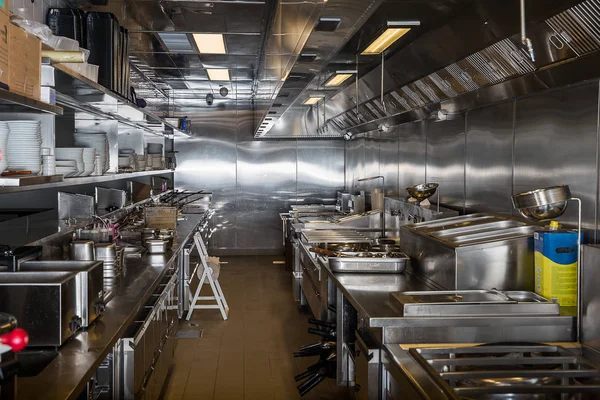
(204, 273)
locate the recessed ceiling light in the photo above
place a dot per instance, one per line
(312, 100)
(394, 31)
(210, 43)
(339, 78)
(218, 74)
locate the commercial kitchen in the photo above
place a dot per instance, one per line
(325, 199)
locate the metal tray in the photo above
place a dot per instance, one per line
(352, 262)
(491, 226)
(526, 297)
(470, 303)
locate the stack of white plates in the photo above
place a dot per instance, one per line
(97, 140)
(24, 145)
(67, 168)
(89, 160)
(71, 153)
(3, 146)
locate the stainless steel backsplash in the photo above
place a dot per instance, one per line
(252, 181)
(483, 156)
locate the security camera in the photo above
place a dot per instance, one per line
(210, 99)
(347, 136)
(223, 91)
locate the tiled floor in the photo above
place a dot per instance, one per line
(249, 356)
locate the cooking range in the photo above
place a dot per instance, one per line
(509, 371)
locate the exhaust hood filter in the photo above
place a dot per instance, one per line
(443, 85)
(462, 77)
(427, 91)
(414, 96)
(579, 26)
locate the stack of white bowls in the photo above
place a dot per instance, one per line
(24, 145)
(71, 153)
(89, 160)
(3, 146)
(97, 140)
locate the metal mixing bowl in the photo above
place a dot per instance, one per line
(542, 204)
(422, 191)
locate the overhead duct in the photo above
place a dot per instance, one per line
(343, 18)
(291, 26)
(483, 75)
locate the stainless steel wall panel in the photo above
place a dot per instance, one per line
(388, 165)
(266, 175)
(320, 171)
(489, 150)
(371, 163)
(556, 142)
(356, 166)
(446, 160)
(412, 150)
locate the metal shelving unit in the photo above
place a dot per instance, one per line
(83, 181)
(15, 102)
(76, 91)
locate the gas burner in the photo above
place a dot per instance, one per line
(507, 371)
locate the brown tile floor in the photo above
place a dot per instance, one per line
(249, 356)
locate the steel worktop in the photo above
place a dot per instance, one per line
(66, 376)
(369, 294)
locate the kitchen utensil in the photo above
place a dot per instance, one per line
(156, 246)
(542, 204)
(82, 250)
(422, 191)
(470, 303)
(369, 262)
(168, 238)
(323, 252)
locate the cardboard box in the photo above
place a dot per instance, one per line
(5, 7)
(25, 62)
(4, 47)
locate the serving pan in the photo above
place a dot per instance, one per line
(369, 262)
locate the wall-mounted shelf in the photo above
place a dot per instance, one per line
(74, 90)
(83, 181)
(19, 103)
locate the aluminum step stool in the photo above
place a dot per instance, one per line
(203, 274)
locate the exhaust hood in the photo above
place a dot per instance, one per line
(474, 58)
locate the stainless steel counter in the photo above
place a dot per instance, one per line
(369, 294)
(66, 376)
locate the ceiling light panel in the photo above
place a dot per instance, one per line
(176, 42)
(218, 74)
(312, 100)
(338, 79)
(210, 43)
(385, 40)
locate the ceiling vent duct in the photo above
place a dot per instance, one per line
(578, 27)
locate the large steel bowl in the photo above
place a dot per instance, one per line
(422, 191)
(542, 204)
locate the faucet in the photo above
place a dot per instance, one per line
(372, 178)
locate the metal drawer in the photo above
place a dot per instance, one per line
(312, 296)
